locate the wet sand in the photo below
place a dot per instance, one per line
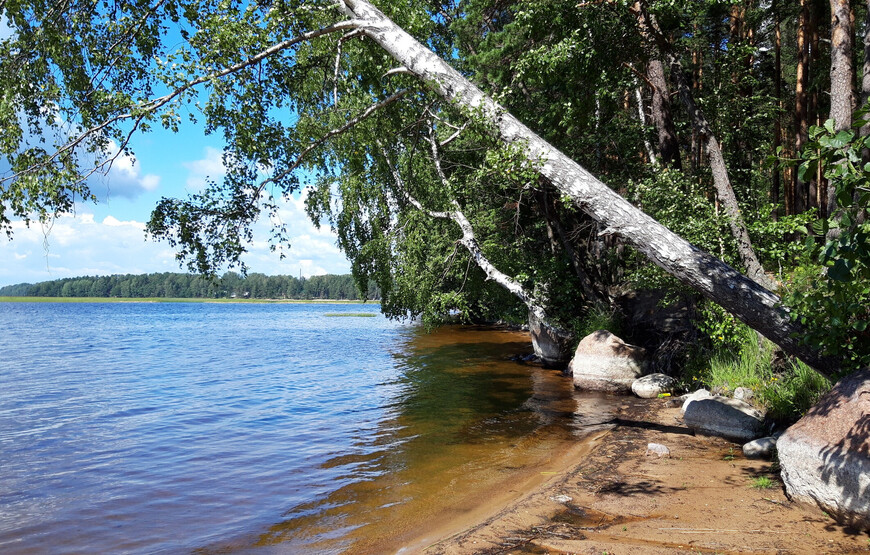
(613, 498)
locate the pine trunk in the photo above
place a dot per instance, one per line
(669, 146)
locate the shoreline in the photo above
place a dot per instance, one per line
(614, 498)
(178, 300)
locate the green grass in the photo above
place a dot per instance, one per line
(351, 314)
(598, 317)
(168, 300)
(785, 395)
(763, 482)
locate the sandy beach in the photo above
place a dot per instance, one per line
(614, 498)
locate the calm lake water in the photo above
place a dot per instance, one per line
(149, 428)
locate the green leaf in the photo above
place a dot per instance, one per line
(844, 198)
(839, 271)
(829, 125)
(846, 220)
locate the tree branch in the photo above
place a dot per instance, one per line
(151, 106)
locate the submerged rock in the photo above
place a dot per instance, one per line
(604, 362)
(653, 385)
(724, 417)
(825, 456)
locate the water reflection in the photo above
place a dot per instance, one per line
(462, 420)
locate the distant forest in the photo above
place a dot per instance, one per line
(173, 285)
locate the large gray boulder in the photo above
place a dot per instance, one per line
(653, 385)
(604, 362)
(724, 417)
(825, 456)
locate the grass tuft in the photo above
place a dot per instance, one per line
(763, 482)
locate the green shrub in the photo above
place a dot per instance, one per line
(833, 301)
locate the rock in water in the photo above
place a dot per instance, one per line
(551, 344)
(825, 456)
(653, 385)
(604, 362)
(724, 417)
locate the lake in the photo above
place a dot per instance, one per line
(216, 428)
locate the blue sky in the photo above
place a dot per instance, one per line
(108, 238)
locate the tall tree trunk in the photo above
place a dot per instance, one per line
(777, 124)
(750, 302)
(641, 115)
(812, 187)
(865, 96)
(801, 115)
(842, 77)
(721, 182)
(865, 80)
(842, 71)
(669, 146)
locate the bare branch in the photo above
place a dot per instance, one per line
(348, 36)
(398, 71)
(454, 136)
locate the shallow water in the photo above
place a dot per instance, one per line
(151, 428)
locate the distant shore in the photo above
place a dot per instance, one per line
(175, 300)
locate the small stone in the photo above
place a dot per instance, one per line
(743, 394)
(657, 449)
(562, 498)
(761, 448)
(653, 385)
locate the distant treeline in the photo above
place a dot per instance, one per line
(230, 285)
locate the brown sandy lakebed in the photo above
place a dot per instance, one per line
(615, 499)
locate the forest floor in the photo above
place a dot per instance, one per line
(705, 498)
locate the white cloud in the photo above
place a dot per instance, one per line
(210, 167)
(83, 245)
(123, 179)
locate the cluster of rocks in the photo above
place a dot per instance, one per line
(825, 456)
